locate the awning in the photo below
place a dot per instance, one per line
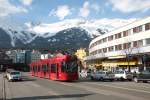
(116, 57)
(118, 63)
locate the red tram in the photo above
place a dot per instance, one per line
(63, 68)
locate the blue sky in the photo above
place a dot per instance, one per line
(53, 11)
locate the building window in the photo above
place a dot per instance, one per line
(99, 41)
(119, 47)
(127, 45)
(147, 41)
(125, 33)
(111, 48)
(119, 35)
(135, 44)
(116, 47)
(110, 38)
(140, 43)
(104, 50)
(116, 36)
(147, 26)
(100, 51)
(104, 40)
(137, 29)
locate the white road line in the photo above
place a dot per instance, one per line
(121, 88)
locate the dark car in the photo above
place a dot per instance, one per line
(143, 76)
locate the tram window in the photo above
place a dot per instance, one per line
(44, 68)
(38, 68)
(48, 68)
(63, 66)
(53, 68)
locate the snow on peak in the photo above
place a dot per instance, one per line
(90, 26)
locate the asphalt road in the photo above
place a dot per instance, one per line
(32, 88)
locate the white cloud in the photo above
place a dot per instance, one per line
(26, 2)
(127, 6)
(90, 25)
(84, 11)
(61, 12)
(96, 7)
(6, 8)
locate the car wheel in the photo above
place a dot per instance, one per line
(144, 81)
(135, 79)
(122, 79)
(111, 80)
(92, 78)
(130, 79)
(9, 80)
(101, 79)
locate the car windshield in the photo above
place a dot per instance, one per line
(119, 72)
(15, 73)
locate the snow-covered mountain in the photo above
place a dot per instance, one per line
(90, 26)
(64, 34)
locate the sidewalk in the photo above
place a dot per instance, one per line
(1, 86)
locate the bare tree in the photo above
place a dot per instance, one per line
(131, 49)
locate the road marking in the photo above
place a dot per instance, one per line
(121, 88)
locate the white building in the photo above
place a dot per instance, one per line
(115, 46)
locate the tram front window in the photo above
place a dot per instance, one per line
(70, 66)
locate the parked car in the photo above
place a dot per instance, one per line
(102, 75)
(83, 74)
(123, 75)
(12, 75)
(143, 76)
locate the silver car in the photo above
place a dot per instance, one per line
(102, 75)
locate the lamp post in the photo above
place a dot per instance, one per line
(144, 59)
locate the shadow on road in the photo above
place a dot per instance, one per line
(25, 78)
(52, 97)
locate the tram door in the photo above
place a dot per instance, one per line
(44, 70)
(57, 71)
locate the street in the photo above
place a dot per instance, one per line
(32, 88)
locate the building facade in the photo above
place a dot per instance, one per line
(123, 47)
